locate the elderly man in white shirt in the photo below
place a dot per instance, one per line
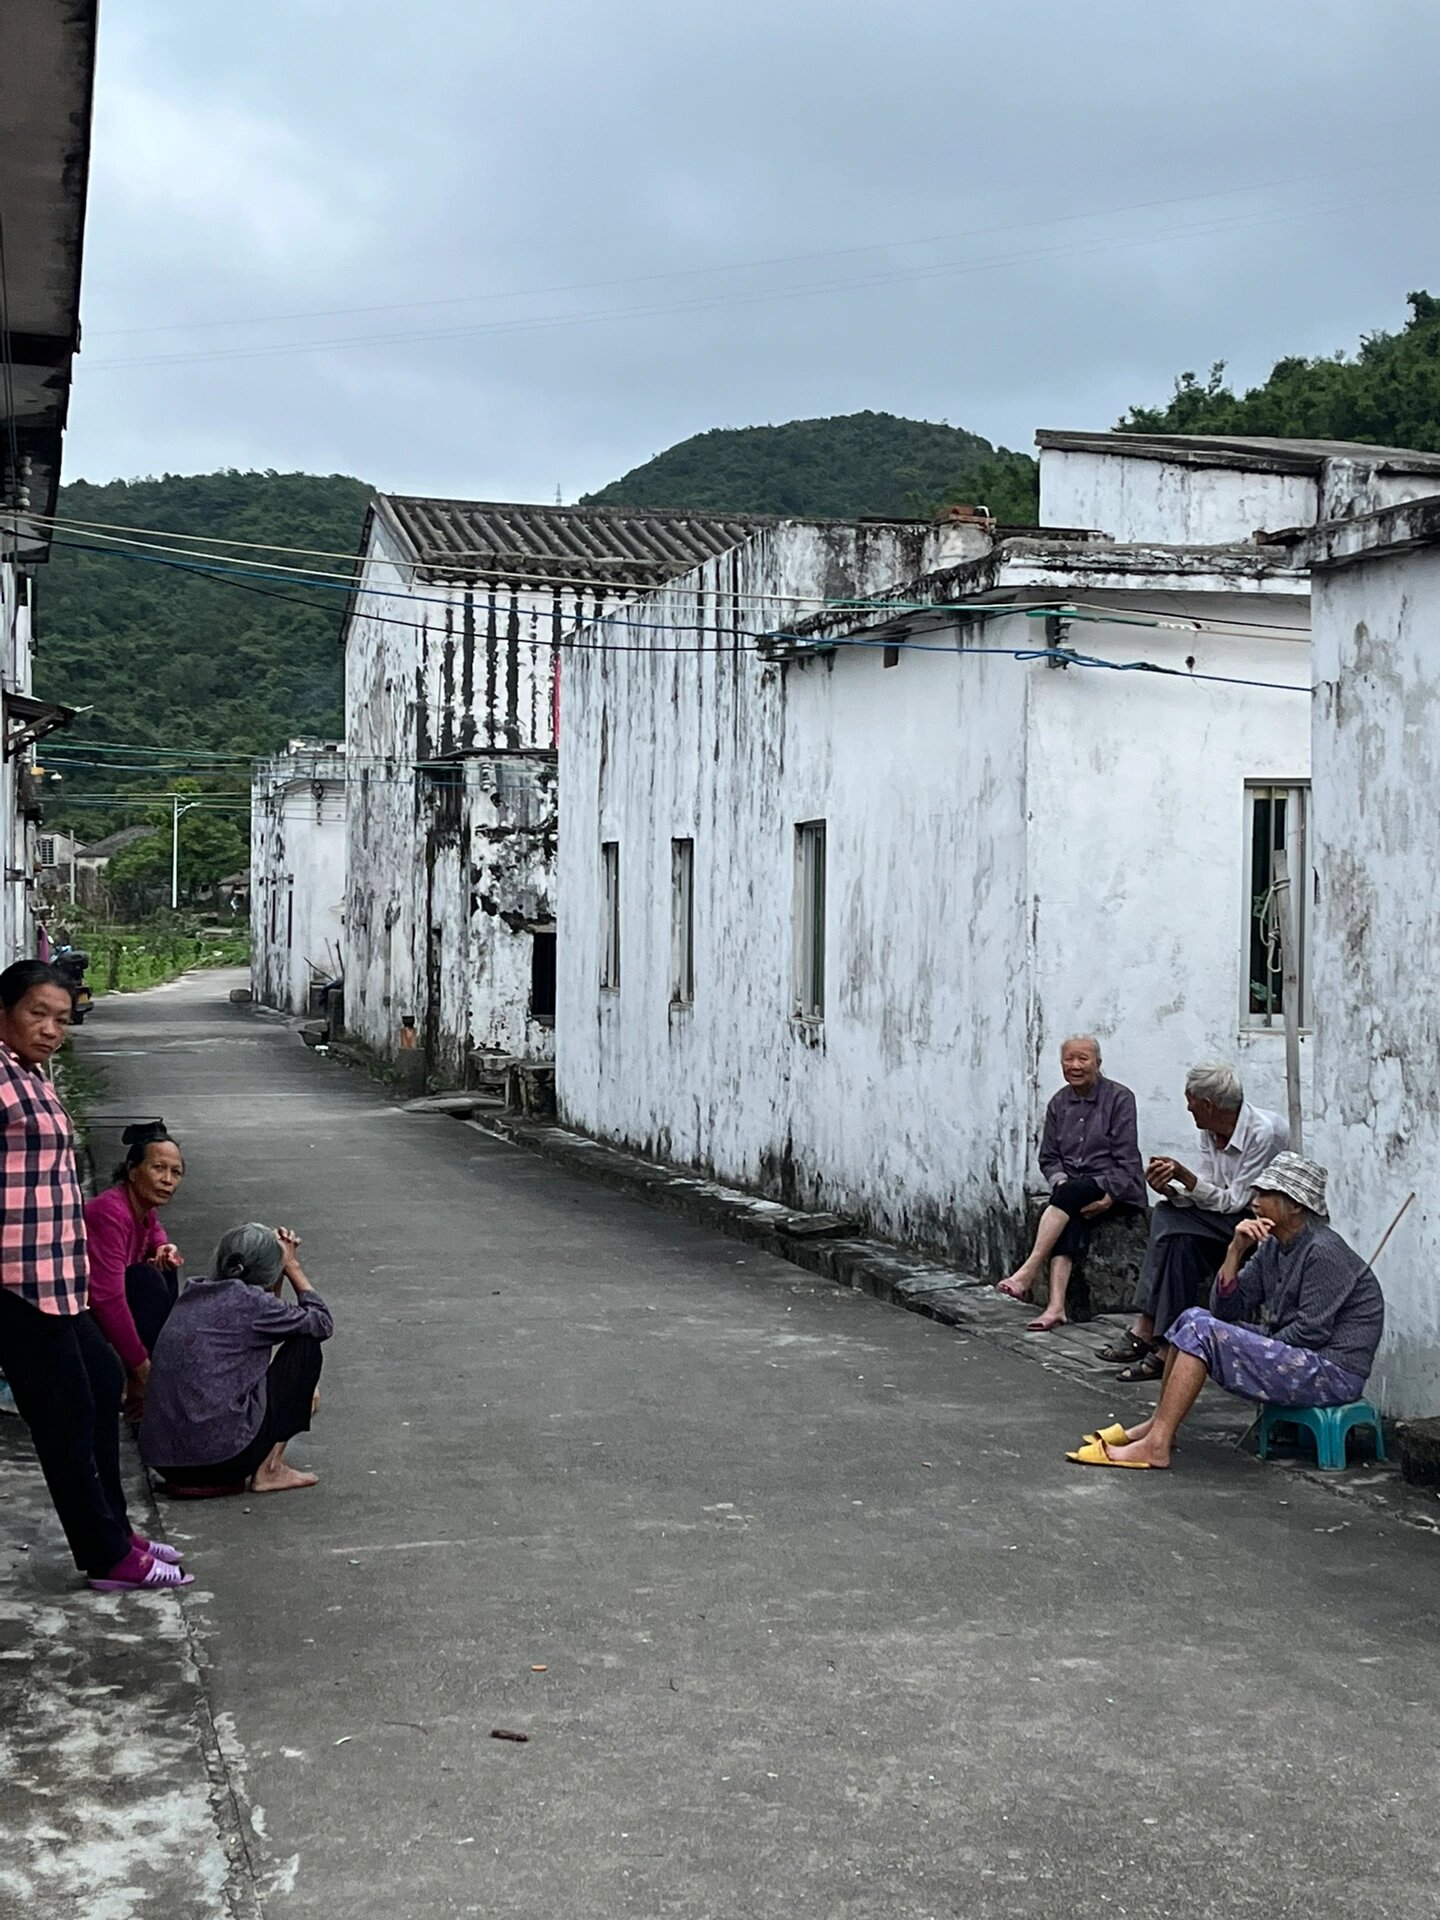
(1198, 1211)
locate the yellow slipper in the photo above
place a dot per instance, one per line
(1096, 1455)
(1113, 1436)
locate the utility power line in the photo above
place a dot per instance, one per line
(735, 266)
(908, 275)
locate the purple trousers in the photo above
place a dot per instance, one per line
(1245, 1361)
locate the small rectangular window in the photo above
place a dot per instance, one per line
(810, 919)
(1276, 818)
(542, 973)
(682, 922)
(610, 910)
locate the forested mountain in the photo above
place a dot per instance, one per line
(1387, 393)
(169, 657)
(851, 465)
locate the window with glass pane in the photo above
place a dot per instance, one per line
(682, 922)
(810, 919)
(1277, 818)
(610, 929)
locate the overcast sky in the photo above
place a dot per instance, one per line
(1018, 214)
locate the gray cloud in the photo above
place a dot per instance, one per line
(1059, 207)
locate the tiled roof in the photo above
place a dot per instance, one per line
(113, 843)
(632, 547)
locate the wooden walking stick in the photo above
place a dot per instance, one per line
(1391, 1228)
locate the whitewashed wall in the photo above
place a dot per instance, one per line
(1137, 851)
(297, 876)
(1377, 772)
(1013, 852)
(1143, 500)
(440, 893)
(17, 924)
(896, 1108)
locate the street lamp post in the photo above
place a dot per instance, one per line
(175, 847)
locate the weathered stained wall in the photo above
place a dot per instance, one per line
(1141, 499)
(434, 672)
(1377, 772)
(297, 875)
(890, 1107)
(1137, 855)
(1013, 851)
(17, 838)
(485, 873)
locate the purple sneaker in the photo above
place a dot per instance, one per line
(140, 1573)
(157, 1549)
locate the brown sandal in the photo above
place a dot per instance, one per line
(1125, 1352)
(1152, 1367)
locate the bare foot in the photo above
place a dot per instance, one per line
(1147, 1450)
(281, 1479)
(1016, 1286)
(1142, 1431)
(1045, 1322)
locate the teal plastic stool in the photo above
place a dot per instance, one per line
(1330, 1427)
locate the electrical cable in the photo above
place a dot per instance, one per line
(1063, 609)
(124, 540)
(547, 322)
(737, 266)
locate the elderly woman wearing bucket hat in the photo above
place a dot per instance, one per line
(1321, 1306)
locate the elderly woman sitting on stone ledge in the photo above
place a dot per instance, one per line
(1090, 1157)
(1322, 1309)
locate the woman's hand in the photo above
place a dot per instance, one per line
(136, 1381)
(169, 1258)
(292, 1269)
(1248, 1235)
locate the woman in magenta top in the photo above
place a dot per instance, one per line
(134, 1265)
(65, 1378)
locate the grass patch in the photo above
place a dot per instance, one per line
(128, 959)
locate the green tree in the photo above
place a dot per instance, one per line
(165, 656)
(211, 846)
(1008, 484)
(1386, 393)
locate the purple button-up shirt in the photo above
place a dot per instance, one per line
(1094, 1136)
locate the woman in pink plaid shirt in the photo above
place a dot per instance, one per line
(63, 1372)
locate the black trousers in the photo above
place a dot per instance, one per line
(1070, 1197)
(1186, 1247)
(150, 1294)
(290, 1383)
(67, 1381)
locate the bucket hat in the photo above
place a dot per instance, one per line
(1300, 1180)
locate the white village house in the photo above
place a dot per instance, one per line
(1376, 586)
(297, 868)
(830, 902)
(47, 70)
(453, 694)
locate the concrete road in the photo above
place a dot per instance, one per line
(801, 1607)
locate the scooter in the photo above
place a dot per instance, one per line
(71, 962)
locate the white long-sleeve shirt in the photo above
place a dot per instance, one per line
(1225, 1176)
